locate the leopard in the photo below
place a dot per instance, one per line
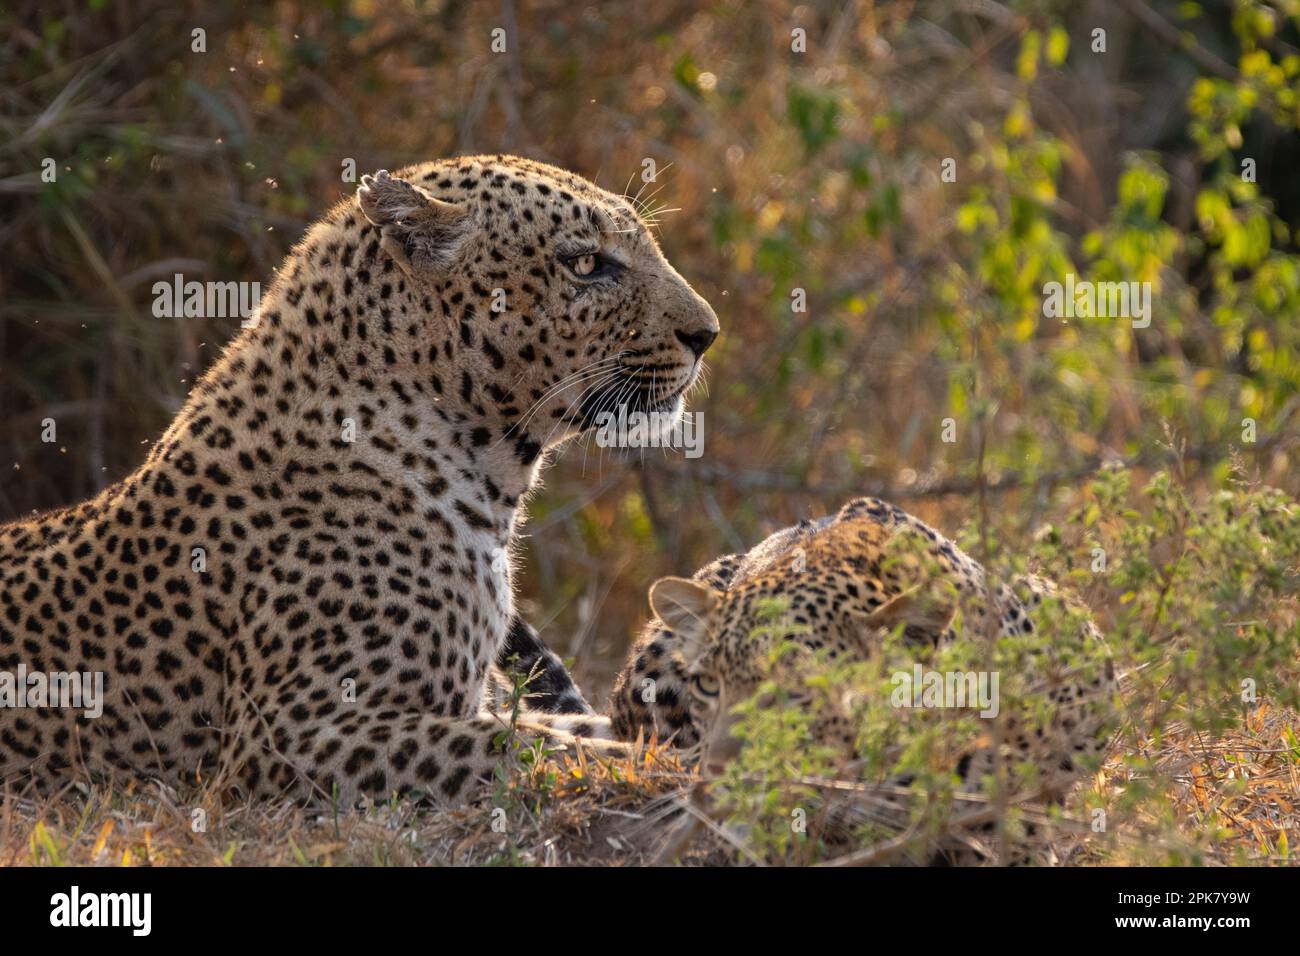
(833, 588)
(307, 589)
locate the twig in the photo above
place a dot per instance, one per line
(1172, 36)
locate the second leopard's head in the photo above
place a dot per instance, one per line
(551, 291)
(823, 591)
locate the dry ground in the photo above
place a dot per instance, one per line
(1227, 801)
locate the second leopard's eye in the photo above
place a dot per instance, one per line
(706, 684)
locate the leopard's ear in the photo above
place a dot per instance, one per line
(917, 607)
(421, 233)
(685, 607)
(923, 609)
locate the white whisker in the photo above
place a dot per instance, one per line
(586, 373)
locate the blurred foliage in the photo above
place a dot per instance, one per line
(821, 171)
(1201, 622)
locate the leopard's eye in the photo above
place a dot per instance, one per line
(706, 684)
(592, 265)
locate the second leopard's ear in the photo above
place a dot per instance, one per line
(423, 234)
(686, 607)
(923, 610)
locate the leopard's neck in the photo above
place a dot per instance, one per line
(363, 374)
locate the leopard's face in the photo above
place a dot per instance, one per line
(735, 642)
(561, 298)
(720, 674)
(776, 628)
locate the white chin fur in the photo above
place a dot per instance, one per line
(663, 423)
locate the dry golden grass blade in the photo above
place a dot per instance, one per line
(101, 841)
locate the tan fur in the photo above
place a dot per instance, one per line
(380, 564)
(846, 581)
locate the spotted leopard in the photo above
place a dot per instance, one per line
(844, 581)
(305, 587)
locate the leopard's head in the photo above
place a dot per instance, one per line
(560, 303)
(803, 598)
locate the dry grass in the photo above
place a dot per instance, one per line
(568, 811)
(1232, 800)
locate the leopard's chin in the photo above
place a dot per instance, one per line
(674, 402)
(664, 411)
(666, 415)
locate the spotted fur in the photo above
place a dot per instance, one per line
(845, 580)
(463, 318)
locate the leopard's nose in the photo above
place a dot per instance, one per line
(697, 341)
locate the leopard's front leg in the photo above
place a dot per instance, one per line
(441, 758)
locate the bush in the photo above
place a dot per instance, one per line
(1197, 601)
